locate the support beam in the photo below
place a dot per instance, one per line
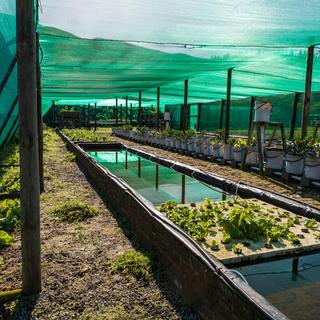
(252, 103)
(222, 107)
(126, 109)
(307, 93)
(228, 104)
(39, 115)
(158, 108)
(7, 75)
(29, 155)
(140, 110)
(95, 117)
(294, 114)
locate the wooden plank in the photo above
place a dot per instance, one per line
(29, 155)
(39, 114)
(8, 73)
(307, 93)
(294, 114)
(228, 104)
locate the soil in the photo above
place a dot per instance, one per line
(78, 282)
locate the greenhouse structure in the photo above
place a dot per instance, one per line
(159, 159)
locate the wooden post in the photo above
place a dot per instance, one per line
(183, 189)
(252, 103)
(131, 113)
(307, 93)
(39, 115)
(126, 161)
(223, 103)
(139, 111)
(116, 112)
(126, 109)
(185, 106)
(294, 114)
(199, 116)
(95, 117)
(139, 167)
(157, 177)
(116, 156)
(228, 103)
(295, 265)
(120, 114)
(29, 155)
(158, 108)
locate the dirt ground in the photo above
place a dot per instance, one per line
(78, 282)
(291, 189)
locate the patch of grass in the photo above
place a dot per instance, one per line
(70, 157)
(84, 135)
(117, 313)
(74, 211)
(5, 239)
(134, 263)
(10, 180)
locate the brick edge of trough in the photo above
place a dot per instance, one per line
(203, 282)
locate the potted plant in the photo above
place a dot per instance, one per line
(312, 163)
(252, 153)
(227, 148)
(216, 143)
(206, 147)
(295, 153)
(178, 137)
(198, 143)
(238, 149)
(190, 135)
(275, 157)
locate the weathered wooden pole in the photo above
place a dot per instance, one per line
(228, 104)
(29, 154)
(139, 111)
(294, 114)
(252, 103)
(126, 160)
(158, 108)
(185, 106)
(183, 189)
(39, 114)
(120, 114)
(116, 112)
(199, 116)
(222, 105)
(95, 117)
(126, 109)
(307, 93)
(131, 113)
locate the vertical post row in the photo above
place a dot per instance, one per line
(158, 108)
(307, 93)
(29, 154)
(126, 163)
(228, 103)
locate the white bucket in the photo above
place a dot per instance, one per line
(190, 145)
(206, 148)
(178, 143)
(184, 144)
(237, 154)
(312, 169)
(215, 150)
(275, 159)
(262, 111)
(294, 164)
(227, 152)
(252, 156)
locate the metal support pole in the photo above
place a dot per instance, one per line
(183, 189)
(294, 114)
(252, 103)
(29, 154)
(228, 103)
(139, 167)
(222, 106)
(307, 93)
(158, 108)
(95, 117)
(157, 177)
(126, 109)
(39, 115)
(139, 111)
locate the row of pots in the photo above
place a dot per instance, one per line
(276, 159)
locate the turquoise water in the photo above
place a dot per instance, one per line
(170, 181)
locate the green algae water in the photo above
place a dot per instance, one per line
(170, 181)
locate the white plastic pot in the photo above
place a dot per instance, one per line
(184, 145)
(215, 150)
(275, 159)
(252, 156)
(262, 111)
(238, 153)
(190, 145)
(227, 152)
(178, 143)
(294, 164)
(205, 148)
(312, 169)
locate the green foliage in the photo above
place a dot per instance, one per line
(74, 211)
(240, 143)
(9, 155)
(300, 147)
(214, 245)
(134, 263)
(70, 157)
(311, 224)
(5, 239)
(10, 180)
(9, 214)
(84, 135)
(236, 248)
